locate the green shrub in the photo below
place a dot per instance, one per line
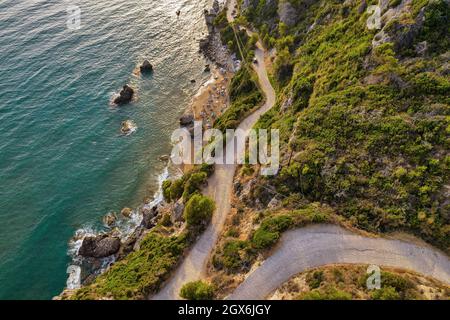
(199, 210)
(330, 293)
(269, 231)
(139, 274)
(193, 184)
(315, 279)
(386, 293)
(235, 255)
(197, 290)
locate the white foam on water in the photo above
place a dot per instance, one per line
(124, 229)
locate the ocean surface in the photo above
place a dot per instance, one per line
(63, 162)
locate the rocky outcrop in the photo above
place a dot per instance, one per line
(146, 67)
(128, 127)
(129, 243)
(215, 7)
(402, 33)
(110, 219)
(125, 95)
(187, 120)
(287, 13)
(177, 211)
(126, 212)
(211, 46)
(101, 246)
(149, 217)
(362, 7)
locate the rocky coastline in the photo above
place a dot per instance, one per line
(94, 252)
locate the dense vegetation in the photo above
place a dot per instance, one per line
(198, 211)
(188, 185)
(245, 96)
(235, 255)
(348, 282)
(365, 125)
(197, 290)
(140, 273)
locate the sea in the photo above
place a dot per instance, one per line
(64, 162)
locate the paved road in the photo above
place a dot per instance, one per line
(220, 187)
(320, 245)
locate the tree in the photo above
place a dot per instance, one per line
(199, 210)
(197, 290)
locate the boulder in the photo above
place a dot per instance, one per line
(129, 243)
(125, 95)
(177, 211)
(148, 217)
(127, 127)
(99, 247)
(146, 67)
(362, 7)
(287, 13)
(422, 48)
(110, 219)
(164, 158)
(126, 212)
(216, 7)
(186, 120)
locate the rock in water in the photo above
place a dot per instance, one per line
(128, 127)
(99, 247)
(186, 120)
(125, 96)
(126, 212)
(146, 67)
(110, 219)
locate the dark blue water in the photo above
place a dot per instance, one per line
(63, 161)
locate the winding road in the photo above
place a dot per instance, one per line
(298, 250)
(220, 187)
(320, 245)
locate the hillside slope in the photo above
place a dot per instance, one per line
(363, 114)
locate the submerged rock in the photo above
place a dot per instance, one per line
(99, 247)
(146, 67)
(125, 95)
(164, 158)
(128, 127)
(186, 120)
(110, 219)
(126, 212)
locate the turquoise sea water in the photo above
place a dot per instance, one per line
(63, 162)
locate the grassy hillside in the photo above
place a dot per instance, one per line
(364, 116)
(345, 282)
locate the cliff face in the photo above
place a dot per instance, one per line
(363, 112)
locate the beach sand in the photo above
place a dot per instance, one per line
(212, 98)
